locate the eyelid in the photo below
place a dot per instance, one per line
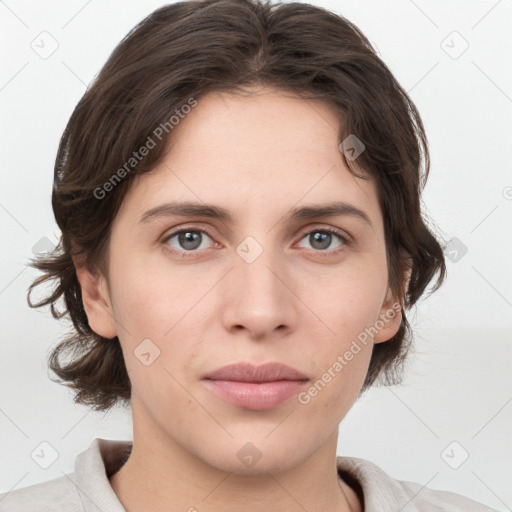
(178, 229)
(347, 238)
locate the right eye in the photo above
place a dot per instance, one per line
(187, 240)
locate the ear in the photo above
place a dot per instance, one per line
(391, 311)
(96, 300)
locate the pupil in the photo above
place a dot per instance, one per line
(323, 238)
(189, 237)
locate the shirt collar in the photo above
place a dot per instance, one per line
(92, 469)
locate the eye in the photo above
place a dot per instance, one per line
(187, 240)
(321, 239)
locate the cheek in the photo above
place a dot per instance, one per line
(153, 301)
(348, 301)
(148, 293)
(339, 378)
(347, 310)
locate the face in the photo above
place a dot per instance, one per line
(190, 294)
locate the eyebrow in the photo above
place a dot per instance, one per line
(192, 209)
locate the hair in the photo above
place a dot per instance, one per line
(171, 58)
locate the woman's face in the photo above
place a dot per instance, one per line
(262, 286)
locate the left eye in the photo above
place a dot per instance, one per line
(323, 238)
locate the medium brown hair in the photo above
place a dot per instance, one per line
(183, 51)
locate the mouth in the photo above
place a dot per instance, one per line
(256, 387)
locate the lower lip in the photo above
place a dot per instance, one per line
(251, 395)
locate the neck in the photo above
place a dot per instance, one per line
(162, 476)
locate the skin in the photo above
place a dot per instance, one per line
(300, 304)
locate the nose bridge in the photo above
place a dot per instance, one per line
(258, 263)
(260, 296)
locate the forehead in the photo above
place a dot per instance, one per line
(261, 153)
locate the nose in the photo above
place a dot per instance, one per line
(259, 295)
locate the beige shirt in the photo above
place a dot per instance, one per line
(88, 488)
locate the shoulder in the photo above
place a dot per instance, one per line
(383, 493)
(57, 495)
(435, 500)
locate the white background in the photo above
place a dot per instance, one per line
(458, 386)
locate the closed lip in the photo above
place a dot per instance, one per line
(247, 372)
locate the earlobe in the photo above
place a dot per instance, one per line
(390, 317)
(96, 301)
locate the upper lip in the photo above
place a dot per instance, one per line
(247, 372)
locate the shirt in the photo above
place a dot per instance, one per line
(88, 488)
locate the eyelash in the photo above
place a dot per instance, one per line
(194, 253)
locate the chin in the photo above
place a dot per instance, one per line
(257, 455)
